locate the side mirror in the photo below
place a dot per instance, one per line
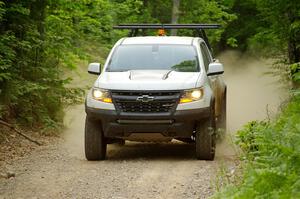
(215, 68)
(94, 68)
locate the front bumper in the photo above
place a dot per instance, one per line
(179, 124)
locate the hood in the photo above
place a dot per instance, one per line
(147, 80)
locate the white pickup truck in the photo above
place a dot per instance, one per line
(156, 88)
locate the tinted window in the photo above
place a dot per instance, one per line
(180, 58)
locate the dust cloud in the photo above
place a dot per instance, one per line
(251, 94)
(74, 131)
(74, 120)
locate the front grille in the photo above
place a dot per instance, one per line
(145, 101)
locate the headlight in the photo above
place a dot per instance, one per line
(101, 95)
(191, 95)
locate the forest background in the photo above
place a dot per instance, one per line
(42, 40)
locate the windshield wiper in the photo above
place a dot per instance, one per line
(116, 70)
(167, 74)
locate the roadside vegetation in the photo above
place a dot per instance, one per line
(41, 41)
(270, 152)
(270, 158)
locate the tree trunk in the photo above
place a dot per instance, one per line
(293, 51)
(293, 46)
(175, 15)
(293, 39)
(38, 14)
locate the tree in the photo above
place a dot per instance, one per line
(32, 90)
(175, 14)
(284, 20)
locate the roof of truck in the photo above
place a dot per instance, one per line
(159, 40)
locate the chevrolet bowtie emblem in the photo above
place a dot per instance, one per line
(145, 98)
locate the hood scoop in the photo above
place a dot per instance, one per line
(149, 75)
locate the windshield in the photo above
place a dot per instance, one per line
(181, 58)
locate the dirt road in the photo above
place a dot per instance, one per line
(132, 171)
(139, 170)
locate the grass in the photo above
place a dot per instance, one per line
(270, 158)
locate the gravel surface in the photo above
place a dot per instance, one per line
(136, 170)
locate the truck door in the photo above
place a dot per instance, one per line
(213, 80)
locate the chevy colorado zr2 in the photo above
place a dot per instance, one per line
(156, 88)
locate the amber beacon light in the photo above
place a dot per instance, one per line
(161, 32)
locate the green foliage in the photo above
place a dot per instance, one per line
(267, 28)
(247, 137)
(159, 11)
(195, 11)
(295, 72)
(232, 42)
(271, 27)
(271, 154)
(39, 40)
(245, 26)
(32, 90)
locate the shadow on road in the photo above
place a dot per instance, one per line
(151, 151)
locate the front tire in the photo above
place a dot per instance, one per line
(206, 138)
(95, 144)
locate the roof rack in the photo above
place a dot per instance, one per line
(199, 28)
(167, 26)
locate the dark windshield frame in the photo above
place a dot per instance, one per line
(198, 69)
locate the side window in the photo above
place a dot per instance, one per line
(206, 56)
